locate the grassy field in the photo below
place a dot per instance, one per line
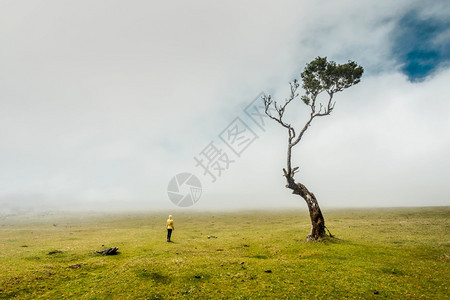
(377, 253)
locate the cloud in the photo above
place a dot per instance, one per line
(103, 102)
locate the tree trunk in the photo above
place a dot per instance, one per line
(317, 220)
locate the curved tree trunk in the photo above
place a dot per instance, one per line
(317, 220)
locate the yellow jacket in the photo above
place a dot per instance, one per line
(170, 223)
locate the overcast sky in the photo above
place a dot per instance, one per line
(103, 102)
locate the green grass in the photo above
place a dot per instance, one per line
(377, 253)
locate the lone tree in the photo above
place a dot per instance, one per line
(319, 77)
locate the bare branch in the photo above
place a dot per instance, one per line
(267, 103)
(314, 113)
(320, 109)
(291, 133)
(281, 108)
(303, 131)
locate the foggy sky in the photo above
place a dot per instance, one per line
(103, 102)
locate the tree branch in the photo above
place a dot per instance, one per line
(281, 109)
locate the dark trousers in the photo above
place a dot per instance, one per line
(169, 234)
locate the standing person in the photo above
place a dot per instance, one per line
(170, 227)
